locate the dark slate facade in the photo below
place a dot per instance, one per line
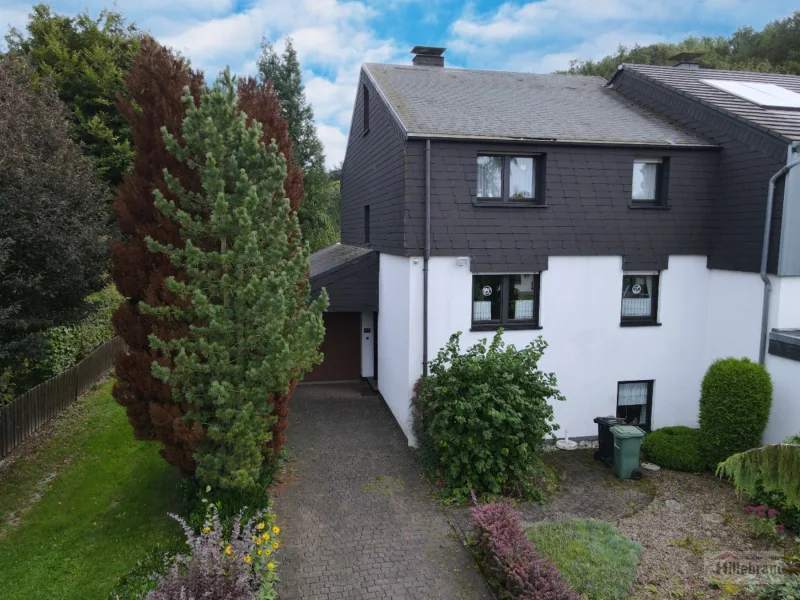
(747, 159)
(352, 287)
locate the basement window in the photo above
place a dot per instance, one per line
(639, 299)
(509, 301)
(635, 402)
(509, 178)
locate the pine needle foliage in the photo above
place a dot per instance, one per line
(245, 288)
(773, 468)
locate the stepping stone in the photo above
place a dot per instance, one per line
(713, 518)
(650, 466)
(674, 505)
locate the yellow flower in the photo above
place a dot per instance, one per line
(271, 565)
(267, 551)
(260, 526)
(266, 537)
(275, 545)
(206, 529)
(254, 538)
(258, 541)
(248, 559)
(276, 530)
(228, 550)
(260, 552)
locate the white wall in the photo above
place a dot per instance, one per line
(367, 344)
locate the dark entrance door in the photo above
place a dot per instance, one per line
(341, 348)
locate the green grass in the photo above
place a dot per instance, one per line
(596, 559)
(102, 509)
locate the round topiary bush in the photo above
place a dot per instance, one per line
(735, 401)
(675, 448)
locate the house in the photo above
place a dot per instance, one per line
(622, 221)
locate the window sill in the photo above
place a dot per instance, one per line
(639, 324)
(646, 206)
(506, 327)
(501, 204)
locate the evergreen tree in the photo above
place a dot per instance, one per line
(320, 209)
(53, 238)
(245, 289)
(88, 60)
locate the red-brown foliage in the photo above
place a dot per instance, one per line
(156, 84)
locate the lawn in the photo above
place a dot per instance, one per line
(79, 509)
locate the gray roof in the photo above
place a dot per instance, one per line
(784, 123)
(438, 101)
(333, 257)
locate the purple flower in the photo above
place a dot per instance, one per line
(779, 529)
(773, 513)
(750, 509)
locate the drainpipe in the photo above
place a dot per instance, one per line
(762, 349)
(426, 258)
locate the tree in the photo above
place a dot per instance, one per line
(319, 212)
(774, 49)
(156, 80)
(53, 244)
(88, 60)
(245, 291)
(774, 468)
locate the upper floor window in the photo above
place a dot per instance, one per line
(510, 301)
(649, 178)
(639, 298)
(366, 108)
(508, 178)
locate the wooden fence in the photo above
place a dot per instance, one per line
(26, 414)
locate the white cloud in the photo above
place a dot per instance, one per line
(16, 16)
(335, 142)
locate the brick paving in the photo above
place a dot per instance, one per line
(357, 521)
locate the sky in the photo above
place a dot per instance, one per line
(333, 37)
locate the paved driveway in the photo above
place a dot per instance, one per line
(356, 518)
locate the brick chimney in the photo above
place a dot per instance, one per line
(428, 56)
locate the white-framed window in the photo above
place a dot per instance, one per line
(510, 301)
(639, 298)
(647, 176)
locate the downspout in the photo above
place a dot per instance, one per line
(762, 349)
(426, 257)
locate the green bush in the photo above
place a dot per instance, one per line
(735, 402)
(675, 448)
(485, 415)
(136, 584)
(597, 560)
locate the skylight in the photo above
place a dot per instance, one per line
(768, 95)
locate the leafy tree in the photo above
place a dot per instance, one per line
(774, 468)
(774, 49)
(319, 213)
(89, 60)
(245, 289)
(53, 247)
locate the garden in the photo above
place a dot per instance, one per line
(554, 524)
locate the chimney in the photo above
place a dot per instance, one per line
(428, 56)
(685, 60)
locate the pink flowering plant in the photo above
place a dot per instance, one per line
(763, 521)
(241, 566)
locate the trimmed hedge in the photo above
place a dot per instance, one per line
(735, 402)
(675, 448)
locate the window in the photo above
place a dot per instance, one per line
(508, 178)
(639, 298)
(510, 301)
(366, 224)
(648, 187)
(635, 402)
(768, 95)
(366, 108)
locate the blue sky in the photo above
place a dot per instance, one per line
(333, 37)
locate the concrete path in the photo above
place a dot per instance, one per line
(355, 513)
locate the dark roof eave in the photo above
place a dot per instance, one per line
(554, 141)
(341, 266)
(746, 122)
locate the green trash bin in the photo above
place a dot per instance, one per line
(627, 441)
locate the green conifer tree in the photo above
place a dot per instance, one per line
(245, 289)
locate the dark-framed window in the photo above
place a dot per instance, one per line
(635, 402)
(639, 299)
(649, 182)
(510, 301)
(366, 224)
(366, 108)
(509, 178)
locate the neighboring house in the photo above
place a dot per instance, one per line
(622, 221)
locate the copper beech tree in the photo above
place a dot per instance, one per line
(156, 83)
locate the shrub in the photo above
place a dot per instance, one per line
(509, 560)
(735, 402)
(239, 567)
(596, 559)
(485, 415)
(675, 448)
(136, 584)
(781, 587)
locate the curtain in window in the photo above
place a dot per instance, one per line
(523, 309)
(482, 311)
(521, 184)
(490, 177)
(636, 299)
(644, 180)
(634, 394)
